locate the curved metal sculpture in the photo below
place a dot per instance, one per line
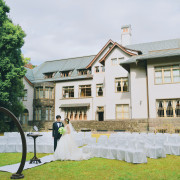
(18, 174)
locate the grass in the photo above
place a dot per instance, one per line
(96, 168)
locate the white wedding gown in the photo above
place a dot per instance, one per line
(68, 150)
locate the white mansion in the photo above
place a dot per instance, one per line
(122, 81)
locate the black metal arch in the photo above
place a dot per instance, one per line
(18, 174)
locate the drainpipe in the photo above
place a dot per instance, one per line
(147, 87)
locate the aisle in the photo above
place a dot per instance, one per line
(14, 167)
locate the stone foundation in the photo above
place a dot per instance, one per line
(135, 125)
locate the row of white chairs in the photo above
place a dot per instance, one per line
(134, 149)
(11, 142)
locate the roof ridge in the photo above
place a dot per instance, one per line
(153, 42)
(68, 58)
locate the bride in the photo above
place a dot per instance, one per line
(67, 148)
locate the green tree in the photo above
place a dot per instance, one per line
(26, 60)
(11, 62)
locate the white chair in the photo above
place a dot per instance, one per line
(155, 148)
(48, 145)
(121, 149)
(135, 153)
(30, 144)
(91, 144)
(11, 144)
(3, 142)
(97, 150)
(108, 151)
(172, 146)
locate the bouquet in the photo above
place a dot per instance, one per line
(61, 130)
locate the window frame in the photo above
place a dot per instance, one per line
(64, 74)
(50, 89)
(96, 68)
(82, 72)
(63, 97)
(25, 97)
(85, 89)
(38, 113)
(165, 104)
(39, 90)
(97, 86)
(122, 111)
(120, 79)
(49, 116)
(112, 61)
(162, 69)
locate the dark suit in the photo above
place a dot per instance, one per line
(55, 133)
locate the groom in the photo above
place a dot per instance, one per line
(55, 133)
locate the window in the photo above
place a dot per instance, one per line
(85, 91)
(96, 69)
(99, 90)
(114, 61)
(167, 74)
(49, 75)
(121, 58)
(49, 93)
(38, 114)
(39, 92)
(83, 72)
(25, 117)
(49, 113)
(25, 95)
(103, 68)
(76, 113)
(125, 29)
(68, 92)
(66, 73)
(121, 84)
(122, 111)
(168, 108)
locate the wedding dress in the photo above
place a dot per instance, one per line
(67, 148)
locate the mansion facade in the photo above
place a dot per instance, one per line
(123, 81)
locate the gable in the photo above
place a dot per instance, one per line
(125, 50)
(110, 42)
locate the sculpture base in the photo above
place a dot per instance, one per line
(17, 176)
(35, 160)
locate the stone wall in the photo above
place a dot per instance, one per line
(135, 125)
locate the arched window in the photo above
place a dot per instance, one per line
(25, 117)
(160, 109)
(169, 110)
(177, 109)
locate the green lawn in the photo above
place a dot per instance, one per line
(96, 168)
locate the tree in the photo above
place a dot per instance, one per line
(26, 60)
(12, 68)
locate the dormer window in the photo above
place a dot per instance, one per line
(83, 72)
(66, 73)
(49, 75)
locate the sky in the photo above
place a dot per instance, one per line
(57, 29)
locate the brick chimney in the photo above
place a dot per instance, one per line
(126, 35)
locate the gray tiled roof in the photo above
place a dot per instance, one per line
(29, 74)
(153, 55)
(157, 45)
(153, 50)
(60, 65)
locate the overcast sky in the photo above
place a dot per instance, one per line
(58, 29)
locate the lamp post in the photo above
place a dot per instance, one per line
(18, 174)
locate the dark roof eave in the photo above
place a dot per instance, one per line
(62, 80)
(143, 59)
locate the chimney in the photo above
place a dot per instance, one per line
(126, 35)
